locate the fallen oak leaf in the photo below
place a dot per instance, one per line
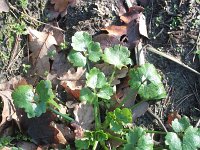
(41, 44)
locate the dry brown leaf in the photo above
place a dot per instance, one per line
(84, 115)
(66, 131)
(40, 43)
(60, 135)
(4, 6)
(54, 28)
(9, 111)
(73, 81)
(116, 30)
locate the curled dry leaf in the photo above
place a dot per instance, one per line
(84, 115)
(73, 81)
(9, 110)
(41, 44)
(4, 6)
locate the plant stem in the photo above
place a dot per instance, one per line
(62, 115)
(88, 65)
(116, 138)
(112, 76)
(96, 113)
(95, 145)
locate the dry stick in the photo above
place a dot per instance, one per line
(155, 116)
(151, 49)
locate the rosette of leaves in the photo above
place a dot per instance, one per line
(119, 118)
(34, 102)
(89, 138)
(137, 139)
(184, 137)
(97, 86)
(147, 82)
(84, 48)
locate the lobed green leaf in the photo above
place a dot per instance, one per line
(180, 125)
(76, 58)
(147, 82)
(117, 56)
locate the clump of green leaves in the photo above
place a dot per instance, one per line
(34, 102)
(23, 3)
(184, 137)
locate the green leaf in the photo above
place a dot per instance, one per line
(138, 140)
(180, 125)
(94, 51)
(191, 139)
(81, 41)
(87, 95)
(82, 144)
(116, 126)
(134, 135)
(77, 59)
(145, 143)
(23, 98)
(95, 78)
(105, 92)
(147, 82)
(100, 136)
(44, 91)
(117, 56)
(123, 115)
(173, 141)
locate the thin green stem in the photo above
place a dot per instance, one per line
(112, 76)
(96, 114)
(156, 132)
(62, 115)
(116, 138)
(95, 145)
(88, 65)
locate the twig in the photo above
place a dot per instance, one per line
(151, 49)
(155, 116)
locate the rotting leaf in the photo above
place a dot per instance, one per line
(41, 43)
